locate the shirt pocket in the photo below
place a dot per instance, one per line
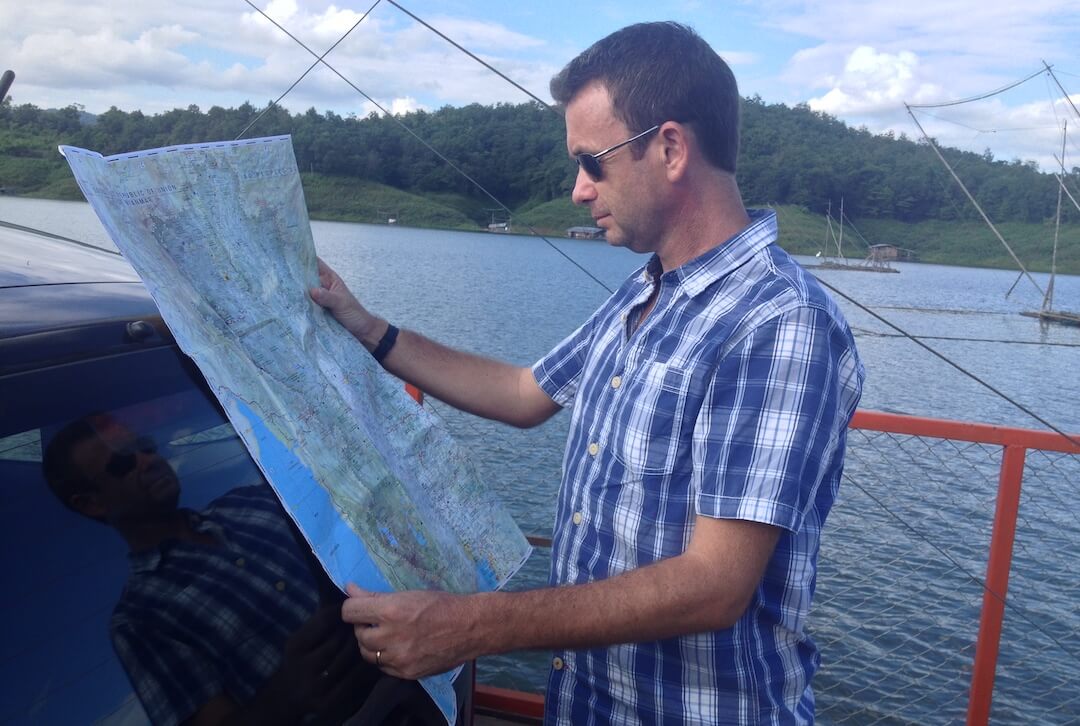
(652, 421)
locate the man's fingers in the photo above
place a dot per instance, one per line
(361, 607)
(321, 296)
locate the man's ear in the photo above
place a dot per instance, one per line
(675, 145)
(88, 504)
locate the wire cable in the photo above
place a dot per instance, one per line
(1068, 437)
(978, 131)
(432, 149)
(593, 277)
(981, 96)
(475, 57)
(1013, 608)
(310, 68)
(961, 339)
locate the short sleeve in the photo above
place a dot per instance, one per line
(559, 372)
(773, 423)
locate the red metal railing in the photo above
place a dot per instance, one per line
(1015, 443)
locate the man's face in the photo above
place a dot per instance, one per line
(131, 480)
(622, 201)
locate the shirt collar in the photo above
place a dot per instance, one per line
(148, 560)
(699, 273)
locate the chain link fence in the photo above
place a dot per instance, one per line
(901, 585)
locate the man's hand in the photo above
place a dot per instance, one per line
(321, 674)
(334, 295)
(409, 634)
(320, 671)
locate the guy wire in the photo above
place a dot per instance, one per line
(303, 75)
(589, 274)
(980, 581)
(476, 58)
(429, 147)
(980, 96)
(1068, 437)
(962, 339)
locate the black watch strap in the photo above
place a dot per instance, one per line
(385, 344)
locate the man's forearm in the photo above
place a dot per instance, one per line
(478, 385)
(670, 598)
(482, 386)
(708, 587)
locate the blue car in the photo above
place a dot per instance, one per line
(150, 574)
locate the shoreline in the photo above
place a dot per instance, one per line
(793, 237)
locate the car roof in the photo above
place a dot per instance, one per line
(30, 257)
(62, 300)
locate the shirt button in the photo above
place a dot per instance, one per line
(280, 586)
(577, 518)
(616, 381)
(594, 449)
(239, 561)
(557, 663)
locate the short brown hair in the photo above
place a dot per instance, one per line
(657, 72)
(64, 478)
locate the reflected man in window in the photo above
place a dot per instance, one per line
(224, 618)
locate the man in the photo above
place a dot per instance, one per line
(220, 620)
(710, 397)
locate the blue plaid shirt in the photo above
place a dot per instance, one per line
(196, 620)
(731, 401)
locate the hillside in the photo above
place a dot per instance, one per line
(370, 169)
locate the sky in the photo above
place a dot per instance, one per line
(857, 60)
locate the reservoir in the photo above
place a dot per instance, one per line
(920, 504)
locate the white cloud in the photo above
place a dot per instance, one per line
(737, 58)
(490, 36)
(156, 56)
(281, 10)
(403, 105)
(856, 59)
(863, 60)
(871, 82)
(101, 58)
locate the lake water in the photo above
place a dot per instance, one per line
(514, 297)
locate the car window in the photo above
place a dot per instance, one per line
(122, 605)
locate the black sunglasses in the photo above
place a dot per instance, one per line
(122, 461)
(591, 162)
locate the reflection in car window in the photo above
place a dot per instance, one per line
(23, 446)
(154, 576)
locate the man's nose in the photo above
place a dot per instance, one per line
(584, 188)
(149, 460)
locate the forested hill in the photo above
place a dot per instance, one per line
(791, 156)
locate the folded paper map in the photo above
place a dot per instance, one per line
(220, 235)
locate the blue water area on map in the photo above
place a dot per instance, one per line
(340, 550)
